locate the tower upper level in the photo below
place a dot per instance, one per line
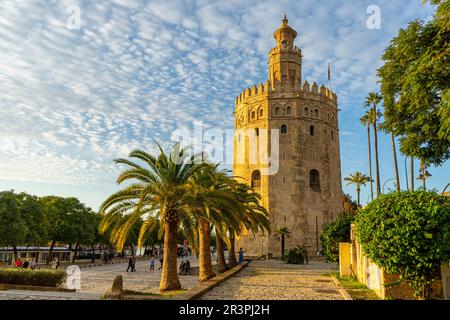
(285, 60)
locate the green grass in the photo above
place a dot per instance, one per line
(356, 289)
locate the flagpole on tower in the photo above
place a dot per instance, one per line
(329, 76)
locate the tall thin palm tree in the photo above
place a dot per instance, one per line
(282, 233)
(358, 179)
(158, 193)
(372, 100)
(388, 130)
(366, 121)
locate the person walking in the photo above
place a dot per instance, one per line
(187, 267)
(133, 269)
(241, 255)
(18, 263)
(32, 265)
(130, 264)
(26, 264)
(152, 264)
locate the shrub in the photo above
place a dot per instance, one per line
(296, 255)
(333, 233)
(407, 233)
(45, 278)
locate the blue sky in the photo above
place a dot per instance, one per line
(71, 100)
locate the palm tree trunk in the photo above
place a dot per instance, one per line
(231, 252)
(282, 247)
(358, 192)
(394, 152)
(370, 162)
(205, 264)
(412, 173)
(375, 139)
(15, 254)
(221, 263)
(169, 274)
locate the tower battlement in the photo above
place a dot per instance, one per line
(266, 89)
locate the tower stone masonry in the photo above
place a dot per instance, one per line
(304, 193)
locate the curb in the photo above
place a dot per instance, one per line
(5, 287)
(341, 290)
(201, 289)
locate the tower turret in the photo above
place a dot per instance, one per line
(285, 60)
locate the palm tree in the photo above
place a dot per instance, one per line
(255, 218)
(359, 179)
(213, 203)
(366, 121)
(281, 234)
(221, 262)
(372, 100)
(158, 193)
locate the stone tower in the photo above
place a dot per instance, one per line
(287, 148)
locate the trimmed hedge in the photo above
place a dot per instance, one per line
(42, 278)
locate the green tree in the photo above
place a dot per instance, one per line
(159, 193)
(372, 100)
(13, 227)
(415, 86)
(333, 233)
(60, 214)
(358, 179)
(407, 233)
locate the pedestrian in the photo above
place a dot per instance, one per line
(187, 267)
(32, 265)
(26, 264)
(18, 263)
(182, 267)
(161, 261)
(130, 264)
(152, 264)
(133, 269)
(241, 255)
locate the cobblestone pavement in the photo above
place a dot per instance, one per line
(96, 281)
(276, 280)
(99, 279)
(44, 295)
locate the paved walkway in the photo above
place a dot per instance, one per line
(276, 280)
(95, 281)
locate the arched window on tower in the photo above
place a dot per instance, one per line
(314, 180)
(311, 130)
(253, 114)
(277, 111)
(288, 110)
(257, 131)
(306, 112)
(256, 179)
(283, 129)
(316, 113)
(261, 112)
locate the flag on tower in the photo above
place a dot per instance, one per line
(329, 72)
